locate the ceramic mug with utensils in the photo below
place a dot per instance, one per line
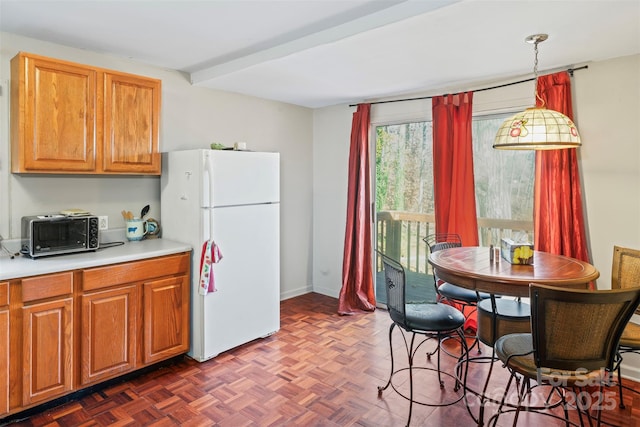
(135, 229)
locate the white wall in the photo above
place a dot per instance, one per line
(332, 127)
(191, 117)
(607, 112)
(607, 109)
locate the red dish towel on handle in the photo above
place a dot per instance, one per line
(210, 255)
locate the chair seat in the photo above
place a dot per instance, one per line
(459, 293)
(433, 317)
(631, 336)
(522, 344)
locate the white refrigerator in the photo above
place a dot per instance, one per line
(233, 198)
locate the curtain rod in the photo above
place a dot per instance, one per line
(569, 70)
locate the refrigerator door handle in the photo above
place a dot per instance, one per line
(208, 166)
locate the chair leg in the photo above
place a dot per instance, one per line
(437, 350)
(566, 409)
(410, 360)
(484, 389)
(618, 368)
(495, 416)
(599, 407)
(518, 410)
(464, 354)
(383, 388)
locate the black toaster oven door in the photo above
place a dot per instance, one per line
(59, 235)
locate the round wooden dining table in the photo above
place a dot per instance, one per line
(472, 268)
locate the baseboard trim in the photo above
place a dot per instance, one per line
(295, 292)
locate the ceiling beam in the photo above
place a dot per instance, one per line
(402, 10)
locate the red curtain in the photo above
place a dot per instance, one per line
(357, 293)
(454, 189)
(559, 225)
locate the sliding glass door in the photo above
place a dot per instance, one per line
(404, 204)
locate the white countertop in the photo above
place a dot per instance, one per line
(22, 266)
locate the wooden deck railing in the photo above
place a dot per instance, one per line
(399, 235)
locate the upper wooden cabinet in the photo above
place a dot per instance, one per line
(131, 116)
(76, 119)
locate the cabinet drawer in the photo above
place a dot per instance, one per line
(118, 274)
(51, 285)
(4, 293)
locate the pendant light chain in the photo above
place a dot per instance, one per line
(535, 73)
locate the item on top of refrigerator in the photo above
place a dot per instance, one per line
(217, 146)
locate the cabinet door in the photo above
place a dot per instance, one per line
(131, 124)
(56, 132)
(47, 357)
(4, 347)
(4, 361)
(166, 318)
(108, 343)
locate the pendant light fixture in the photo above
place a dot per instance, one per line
(537, 128)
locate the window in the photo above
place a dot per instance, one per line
(404, 189)
(404, 167)
(504, 185)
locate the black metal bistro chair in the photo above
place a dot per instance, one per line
(428, 320)
(449, 291)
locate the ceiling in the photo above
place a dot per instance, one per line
(317, 53)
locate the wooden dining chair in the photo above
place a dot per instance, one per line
(572, 345)
(430, 321)
(625, 273)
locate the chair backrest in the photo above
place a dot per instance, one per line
(625, 269)
(579, 329)
(440, 241)
(394, 276)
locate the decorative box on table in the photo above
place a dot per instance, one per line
(517, 253)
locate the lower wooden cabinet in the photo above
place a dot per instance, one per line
(65, 331)
(47, 340)
(108, 338)
(4, 348)
(166, 318)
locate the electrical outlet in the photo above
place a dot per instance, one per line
(103, 222)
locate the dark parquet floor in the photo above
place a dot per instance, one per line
(320, 369)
